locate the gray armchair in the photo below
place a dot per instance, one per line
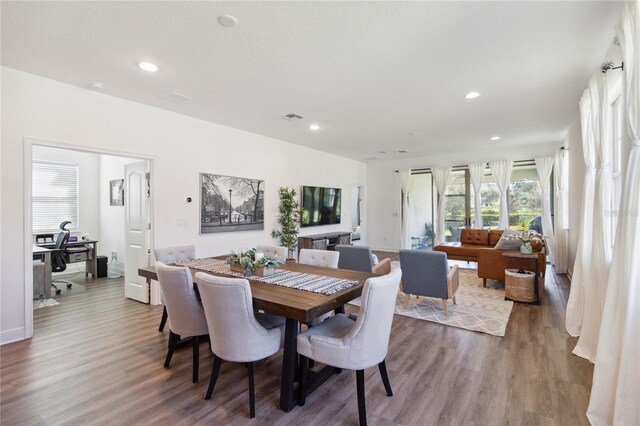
(360, 258)
(426, 273)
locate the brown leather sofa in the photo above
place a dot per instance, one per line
(477, 245)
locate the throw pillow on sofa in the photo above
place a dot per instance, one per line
(505, 244)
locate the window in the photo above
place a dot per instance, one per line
(524, 197)
(455, 217)
(54, 195)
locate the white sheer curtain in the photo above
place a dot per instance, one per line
(501, 171)
(476, 173)
(595, 285)
(581, 281)
(544, 166)
(405, 185)
(560, 232)
(615, 392)
(441, 180)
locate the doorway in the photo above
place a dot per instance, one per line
(84, 192)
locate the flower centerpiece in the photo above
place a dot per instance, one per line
(249, 262)
(531, 240)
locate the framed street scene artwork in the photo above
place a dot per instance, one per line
(116, 192)
(230, 204)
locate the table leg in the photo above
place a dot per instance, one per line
(536, 282)
(289, 365)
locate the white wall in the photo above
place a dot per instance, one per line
(111, 217)
(88, 173)
(384, 189)
(181, 147)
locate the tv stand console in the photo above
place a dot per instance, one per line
(327, 241)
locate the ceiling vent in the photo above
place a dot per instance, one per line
(369, 159)
(293, 116)
(176, 97)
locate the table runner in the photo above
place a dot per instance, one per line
(298, 280)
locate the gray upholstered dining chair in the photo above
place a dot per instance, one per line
(169, 255)
(236, 332)
(354, 345)
(360, 258)
(271, 251)
(427, 273)
(186, 315)
(325, 258)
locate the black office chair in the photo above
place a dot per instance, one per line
(58, 259)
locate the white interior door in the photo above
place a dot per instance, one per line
(137, 229)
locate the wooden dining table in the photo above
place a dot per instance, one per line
(296, 306)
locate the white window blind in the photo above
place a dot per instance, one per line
(54, 195)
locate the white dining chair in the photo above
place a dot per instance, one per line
(186, 315)
(236, 332)
(169, 255)
(325, 258)
(271, 251)
(354, 345)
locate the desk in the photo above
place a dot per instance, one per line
(296, 306)
(45, 255)
(91, 265)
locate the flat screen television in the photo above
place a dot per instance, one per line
(320, 206)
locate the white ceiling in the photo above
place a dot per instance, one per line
(377, 76)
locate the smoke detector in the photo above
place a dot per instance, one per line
(293, 116)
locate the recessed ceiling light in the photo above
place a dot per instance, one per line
(382, 152)
(472, 95)
(97, 85)
(227, 21)
(314, 127)
(401, 151)
(495, 138)
(148, 66)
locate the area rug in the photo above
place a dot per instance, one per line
(477, 309)
(43, 303)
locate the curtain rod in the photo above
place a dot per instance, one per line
(428, 169)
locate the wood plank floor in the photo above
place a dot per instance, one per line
(97, 359)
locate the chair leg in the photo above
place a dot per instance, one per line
(385, 378)
(484, 282)
(454, 300)
(215, 370)
(406, 300)
(362, 409)
(445, 303)
(196, 358)
(252, 394)
(163, 320)
(302, 385)
(173, 342)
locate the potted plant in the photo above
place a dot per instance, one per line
(531, 241)
(251, 263)
(288, 219)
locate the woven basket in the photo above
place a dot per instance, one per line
(519, 286)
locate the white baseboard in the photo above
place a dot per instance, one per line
(12, 335)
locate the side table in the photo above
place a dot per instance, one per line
(534, 258)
